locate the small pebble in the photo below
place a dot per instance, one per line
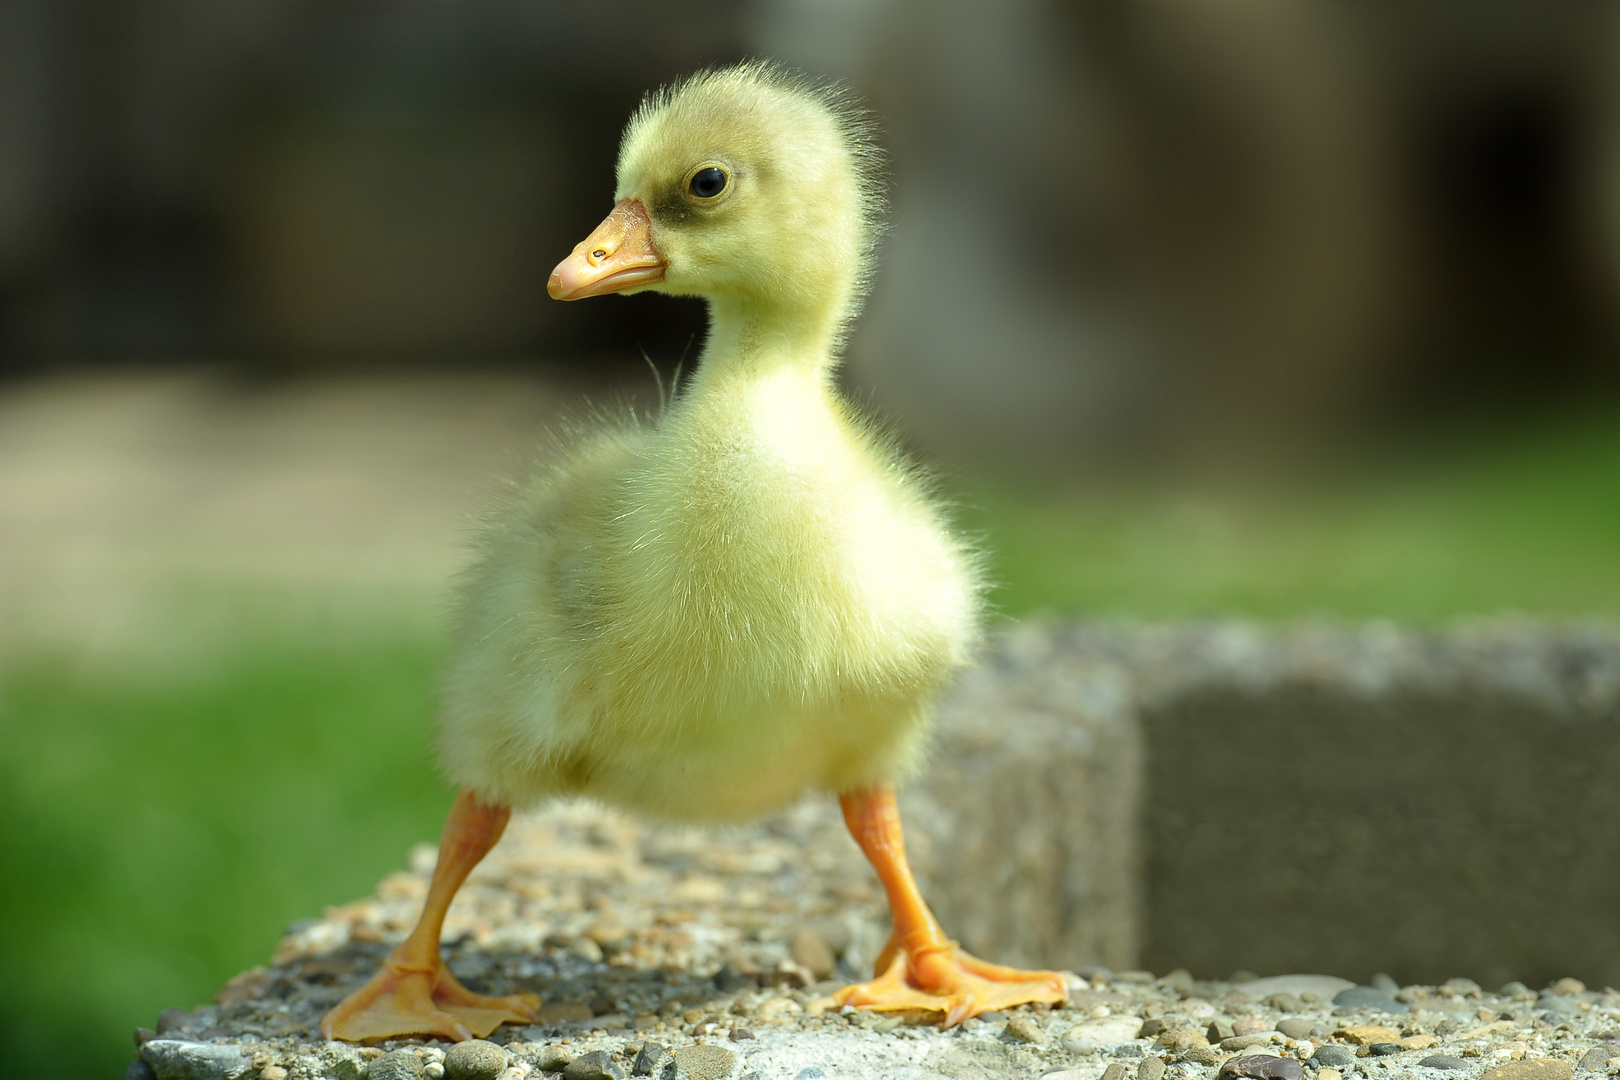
(1244, 1042)
(1151, 1068)
(651, 1059)
(1367, 1034)
(610, 935)
(704, 1061)
(1443, 1061)
(1262, 1067)
(139, 1070)
(1383, 982)
(1023, 1029)
(585, 949)
(729, 980)
(739, 1034)
(811, 951)
(1248, 1025)
(1329, 1074)
(1529, 1069)
(1461, 987)
(144, 1036)
(434, 1070)
(1180, 981)
(1515, 989)
(1180, 1038)
(555, 1059)
(1567, 987)
(1219, 1031)
(1595, 1060)
(776, 1008)
(1383, 1049)
(1115, 1071)
(475, 1059)
(596, 1065)
(195, 1061)
(272, 1072)
(1200, 1055)
(1296, 1027)
(1334, 1057)
(396, 1065)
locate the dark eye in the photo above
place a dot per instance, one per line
(708, 182)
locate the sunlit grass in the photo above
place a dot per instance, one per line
(160, 824)
(1530, 528)
(160, 832)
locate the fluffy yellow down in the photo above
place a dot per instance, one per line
(703, 615)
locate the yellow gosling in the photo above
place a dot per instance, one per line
(704, 616)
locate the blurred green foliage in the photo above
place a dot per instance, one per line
(163, 823)
(161, 830)
(1488, 527)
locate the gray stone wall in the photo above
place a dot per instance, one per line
(1340, 799)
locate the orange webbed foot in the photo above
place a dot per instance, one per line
(416, 1001)
(945, 979)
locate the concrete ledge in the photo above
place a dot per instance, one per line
(1208, 797)
(1319, 798)
(1365, 800)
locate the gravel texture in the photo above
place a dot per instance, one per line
(680, 953)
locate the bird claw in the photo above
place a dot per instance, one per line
(948, 980)
(412, 1001)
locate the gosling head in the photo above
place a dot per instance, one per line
(745, 185)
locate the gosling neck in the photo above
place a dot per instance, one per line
(750, 340)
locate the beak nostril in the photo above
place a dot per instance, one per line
(617, 255)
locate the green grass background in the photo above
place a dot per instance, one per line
(162, 818)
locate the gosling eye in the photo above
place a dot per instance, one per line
(709, 182)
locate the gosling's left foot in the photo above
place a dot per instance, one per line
(943, 978)
(401, 1000)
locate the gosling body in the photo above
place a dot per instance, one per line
(704, 615)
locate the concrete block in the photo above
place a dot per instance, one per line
(1337, 799)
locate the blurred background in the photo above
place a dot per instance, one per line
(1203, 309)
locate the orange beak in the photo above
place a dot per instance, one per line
(618, 255)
